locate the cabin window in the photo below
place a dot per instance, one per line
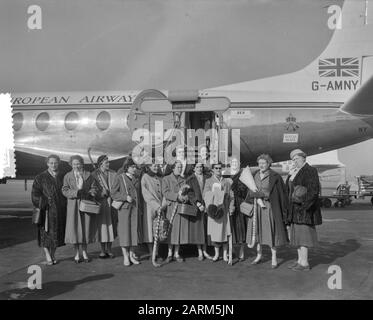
(103, 120)
(17, 121)
(71, 121)
(42, 121)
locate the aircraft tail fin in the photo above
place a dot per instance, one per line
(345, 64)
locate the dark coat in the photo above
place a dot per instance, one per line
(238, 219)
(197, 228)
(308, 212)
(196, 195)
(47, 196)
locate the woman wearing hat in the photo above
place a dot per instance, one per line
(219, 228)
(271, 218)
(304, 212)
(126, 189)
(104, 178)
(81, 227)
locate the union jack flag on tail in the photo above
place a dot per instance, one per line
(339, 67)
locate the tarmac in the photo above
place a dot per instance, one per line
(345, 240)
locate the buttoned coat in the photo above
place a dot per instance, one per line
(81, 228)
(128, 215)
(107, 220)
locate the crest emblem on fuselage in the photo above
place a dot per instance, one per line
(291, 123)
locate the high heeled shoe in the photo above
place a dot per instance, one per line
(207, 256)
(256, 261)
(134, 261)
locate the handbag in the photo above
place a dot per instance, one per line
(37, 216)
(247, 209)
(187, 209)
(89, 206)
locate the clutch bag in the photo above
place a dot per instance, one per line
(89, 206)
(117, 204)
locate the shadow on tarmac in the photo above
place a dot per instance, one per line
(324, 253)
(49, 289)
(15, 231)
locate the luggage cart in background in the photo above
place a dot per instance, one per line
(342, 196)
(365, 187)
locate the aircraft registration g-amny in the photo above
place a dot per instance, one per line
(324, 106)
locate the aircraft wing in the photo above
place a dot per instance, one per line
(361, 103)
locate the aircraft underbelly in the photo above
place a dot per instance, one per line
(279, 131)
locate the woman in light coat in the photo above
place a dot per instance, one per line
(106, 220)
(219, 229)
(126, 190)
(81, 228)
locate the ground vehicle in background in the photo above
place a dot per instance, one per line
(342, 196)
(365, 187)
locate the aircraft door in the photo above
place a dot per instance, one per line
(150, 112)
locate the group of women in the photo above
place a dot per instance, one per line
(131, 199)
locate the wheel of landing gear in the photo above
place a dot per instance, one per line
(327, 203)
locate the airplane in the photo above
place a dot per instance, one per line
(324, 106)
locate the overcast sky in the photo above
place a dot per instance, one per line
(162, 44)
